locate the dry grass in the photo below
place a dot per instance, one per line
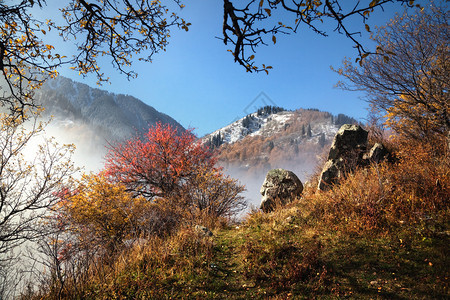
(381, 197)
(382, 233)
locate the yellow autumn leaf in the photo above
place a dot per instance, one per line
(373, 3)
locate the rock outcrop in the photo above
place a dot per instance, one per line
(377, 154)
(280, 187)
(349, 140)
(346, 152)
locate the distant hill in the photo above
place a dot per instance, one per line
(116, 116)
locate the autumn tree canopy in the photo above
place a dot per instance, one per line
(126, 31)
(171, 168)
(102, 210)
(160, 163)
(410, 85)
(119, 30)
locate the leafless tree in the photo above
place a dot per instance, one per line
(28, 185)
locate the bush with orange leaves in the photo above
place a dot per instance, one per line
(152, 185)
(411, 191)
(103, 213)
(213, 196)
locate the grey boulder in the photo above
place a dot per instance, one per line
(280, 187)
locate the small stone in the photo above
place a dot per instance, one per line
(290, 219)
(203, 231)
(377, 154)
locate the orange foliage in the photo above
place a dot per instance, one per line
(104, 210)
(412, 190)
(160, 164)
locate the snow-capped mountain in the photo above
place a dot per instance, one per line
(252, 125)
(275, 121)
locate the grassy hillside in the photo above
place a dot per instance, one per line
(382, 233)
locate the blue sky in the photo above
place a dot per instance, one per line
(197, 82)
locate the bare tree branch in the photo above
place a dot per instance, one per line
(118, 30)
(28, 187)
(408, 81)
(246, 28)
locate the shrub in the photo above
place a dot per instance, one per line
(380, 197)
(105, 211)
(171, 168)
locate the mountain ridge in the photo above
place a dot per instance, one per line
(94, 119)
(270, 120)
(120, 116)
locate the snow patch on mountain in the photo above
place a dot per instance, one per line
(116, 117)
(328, 129)
(270, 124)
(253, 124)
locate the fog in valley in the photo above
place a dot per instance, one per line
(90, 147)
(88, 157)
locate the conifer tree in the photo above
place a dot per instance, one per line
(309, 132)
